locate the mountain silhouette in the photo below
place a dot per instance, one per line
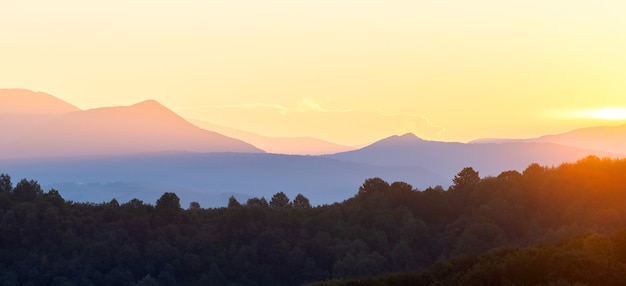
(606, 138)
(448, 158)
(203, 176)
(279, 145)
(141, 128)
(24, 101)
(22, 110)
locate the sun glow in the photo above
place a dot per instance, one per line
(611, 113)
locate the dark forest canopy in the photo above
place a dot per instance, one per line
(591, 259)
(386, 227)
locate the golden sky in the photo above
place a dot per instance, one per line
(345, 71)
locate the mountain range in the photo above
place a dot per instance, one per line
(279, 145)
(448, 158)
(141, 128)
(145, 149)
(606, 138)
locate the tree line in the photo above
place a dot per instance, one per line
(384, 228)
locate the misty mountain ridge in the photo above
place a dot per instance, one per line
(209, 178)
(144, 127)
(279, 145)
(23, 101)
(606, 138)
(447, 158)
(144, 149)
(22, 110)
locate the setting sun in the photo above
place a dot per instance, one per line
(312, 142)
(611, 113)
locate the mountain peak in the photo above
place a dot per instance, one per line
(405, 138)
(151, 103)
(24, 101)
(410, 136)
(398, 140)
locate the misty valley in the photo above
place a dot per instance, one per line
(138, 195)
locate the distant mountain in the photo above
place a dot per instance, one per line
(279, 145)
(141, 128)
(22, 110)
(606, 138)
(209, 178)
(23, 101)
(447, 159)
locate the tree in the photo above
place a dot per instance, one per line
(114, 203)
(5, 183)
(467, 179)
(256, 202)
(168, 202)
(279, 201)
(373, 186)
(27, 190)
(194, 206)
(233, 203)
(301, 202)
(168, 207)
(400, 187)
(510, 176)
(54, 197)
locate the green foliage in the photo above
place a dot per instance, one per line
(372, 187)
(233, 203)
(466, 180)
(301, 202)
(5, 183)
(27, 190)
(279, 201)
(452, 236)
(194, 206)
(257, 203)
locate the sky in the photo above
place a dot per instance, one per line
(347, 71)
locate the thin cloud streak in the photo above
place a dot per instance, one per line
(307, 104)
(309, 118)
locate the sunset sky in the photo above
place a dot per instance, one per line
(346, 71)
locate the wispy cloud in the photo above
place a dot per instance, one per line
(310, 118)
(306, 104)
(420, 124)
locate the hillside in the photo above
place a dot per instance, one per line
(141, 128)
(23, 101)
(23, 110)
(209, 178)
(447, 158)
(279, 145)
(605, 138)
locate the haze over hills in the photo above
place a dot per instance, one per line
(22, 110)
(146, 149)
(209, 178)
(606, 138)
(141, 128)
(279, 145)
(24, 101)
(447, 158)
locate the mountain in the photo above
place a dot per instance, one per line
(208, 178)
(448, 158)
(606, 138)
(22, 110)
(279, 145)
(141, 128)
(23, 101)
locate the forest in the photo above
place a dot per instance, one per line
(548, 225)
